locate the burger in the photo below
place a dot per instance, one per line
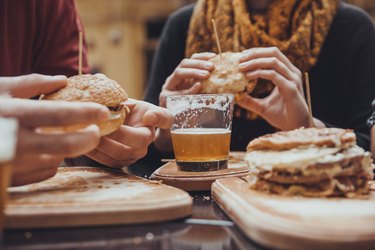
(227, 77)
(94, 88)
(313, 162)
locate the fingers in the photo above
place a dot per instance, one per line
(255, 105)
(34, 168)
(66, 144)
(181, 74)
(32, 113)
(203, 56)
(268, 63)
(197, 64)
(287, 88)
(255, 53)
(31, 85)
(133, 137)
(20, 180)
(35, 163)
(197, 68)
(159, 118)
(120, 153)
(107, 160)
(195, 89)
(123, 147)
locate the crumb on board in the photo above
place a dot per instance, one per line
(206, 198)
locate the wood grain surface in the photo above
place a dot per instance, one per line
(297, 222)
(200, 181)
(82, 196)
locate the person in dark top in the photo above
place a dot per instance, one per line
(335, 44)
(371, 125)
(41, 36)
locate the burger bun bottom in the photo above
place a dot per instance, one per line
(116, 119)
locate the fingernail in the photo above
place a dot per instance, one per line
(208, 64)
(59, 77)
(104, 114)
(242, 65)
(203, 73)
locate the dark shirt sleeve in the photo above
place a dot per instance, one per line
(170, 52)
(56, 47)
(361, 47)
(343, 80)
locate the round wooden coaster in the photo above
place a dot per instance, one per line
(199, 181)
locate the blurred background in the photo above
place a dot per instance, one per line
(123, 35)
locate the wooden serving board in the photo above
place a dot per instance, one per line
(199, 181)
(297, 222)
(80, 196)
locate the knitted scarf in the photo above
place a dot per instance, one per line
(297, 27)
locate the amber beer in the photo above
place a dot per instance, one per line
(201, 149)
(4, 183)
(8, 143)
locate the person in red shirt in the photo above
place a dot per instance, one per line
(41, 36)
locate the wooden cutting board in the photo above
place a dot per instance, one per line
(82, 196)
(200, 181)
(296, 222)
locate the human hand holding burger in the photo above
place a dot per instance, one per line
(185, 80)
(130, 142)
(131, 126)
(39, 154)
(285, 108)
(206, 73)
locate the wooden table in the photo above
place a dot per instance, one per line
(207, 228)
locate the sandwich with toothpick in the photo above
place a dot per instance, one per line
(226, 77)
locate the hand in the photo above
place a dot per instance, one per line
(39, 154)
(28, 86)
(196, 68)
(285, 108)
(129, 143)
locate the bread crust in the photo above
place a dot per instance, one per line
(303, 137)
(227, 77)
(91, 88)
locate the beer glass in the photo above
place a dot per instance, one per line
(201, 130)
(8, 141)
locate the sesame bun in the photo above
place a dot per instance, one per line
(226, 77)
(94, 88)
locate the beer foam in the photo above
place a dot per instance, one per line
(8, 139)
(197, 103)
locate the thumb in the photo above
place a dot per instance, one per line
(159, 117)
(28, 86)
(250, 103)
(195, 89)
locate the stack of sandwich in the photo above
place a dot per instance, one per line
(313, 162)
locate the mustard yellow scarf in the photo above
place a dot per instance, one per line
(297, 27)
